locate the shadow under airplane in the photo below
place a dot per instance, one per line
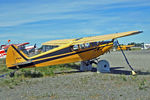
(114, 70)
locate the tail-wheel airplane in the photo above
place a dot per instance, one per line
(85, 50)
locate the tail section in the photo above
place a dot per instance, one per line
(15, 56)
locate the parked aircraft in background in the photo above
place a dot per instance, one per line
(2, 53)
(21, 46)
(125, 47)
(30, 48)
(146, 46)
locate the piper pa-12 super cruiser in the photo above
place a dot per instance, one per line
(84, 49)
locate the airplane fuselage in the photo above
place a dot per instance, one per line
(64, 54)
(68, 54)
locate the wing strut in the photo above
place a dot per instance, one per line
(133, 72)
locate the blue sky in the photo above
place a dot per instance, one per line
(38, 21)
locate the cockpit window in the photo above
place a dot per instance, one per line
(80, 46)
(75, 47)
(88, 45)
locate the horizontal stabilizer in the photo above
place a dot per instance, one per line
(23, 63)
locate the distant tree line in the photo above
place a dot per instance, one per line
(136, 44)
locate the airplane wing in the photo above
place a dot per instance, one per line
(90, 39)
(59, 42)
(104, 37)
(21, 44)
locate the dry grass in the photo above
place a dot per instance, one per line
(23, 75)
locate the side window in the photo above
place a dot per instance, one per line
(93, 44)
(75, 47)
(82, 46)
(87, 45)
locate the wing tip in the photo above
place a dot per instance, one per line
(139, 31)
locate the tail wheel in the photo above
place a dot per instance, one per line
(12, 74)
(103, 66)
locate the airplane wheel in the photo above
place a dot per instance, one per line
(103, 66)
(85, 66)
(11, 74)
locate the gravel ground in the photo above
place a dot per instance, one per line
(90, 85)
(139, 60)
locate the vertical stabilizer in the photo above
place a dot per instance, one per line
(15, 56)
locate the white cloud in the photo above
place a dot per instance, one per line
(27, 12)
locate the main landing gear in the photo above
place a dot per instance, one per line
(102, 66)
(86, 66)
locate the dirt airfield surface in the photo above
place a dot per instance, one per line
(75, 85)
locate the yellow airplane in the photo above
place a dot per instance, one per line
(68, 51)
(125, 47)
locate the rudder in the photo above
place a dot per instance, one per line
(15, 56)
